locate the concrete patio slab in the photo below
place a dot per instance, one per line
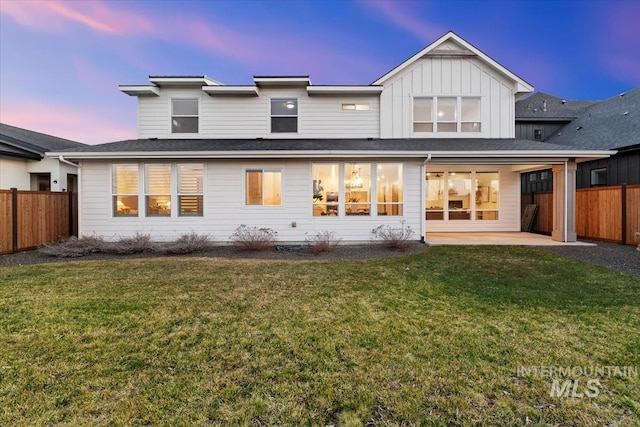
(512, 238)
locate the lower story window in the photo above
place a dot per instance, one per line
(348, 189)
(263, 188)
(389, 189)
(160, 190)
(457, 196)
(190, 189)
(125, 190)
(598, 177)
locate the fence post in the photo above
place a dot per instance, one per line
(624, 213)
(14, 220)
(70, 213)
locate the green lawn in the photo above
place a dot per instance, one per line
(428, 339)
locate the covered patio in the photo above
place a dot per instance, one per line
(497, 238)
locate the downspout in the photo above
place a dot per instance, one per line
(566, 200)
(423, 221)
(63, 160)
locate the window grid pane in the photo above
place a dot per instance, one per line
(190, 189)
(158, 189)
(125, 190)
(389, 189)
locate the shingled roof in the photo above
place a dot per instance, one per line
(23, 143)
(541, 105)
(610, 124)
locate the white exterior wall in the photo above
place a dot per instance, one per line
(508, 206)
(13, 174)
(17, 173)
(439, 76)
(249, 116)
(225, 209)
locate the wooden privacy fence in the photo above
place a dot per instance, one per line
(29, 219)
(602, 213)
(543, 221)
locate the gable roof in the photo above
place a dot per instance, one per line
(610, 124)
(541, 105)
(451, 44)
(23, 143)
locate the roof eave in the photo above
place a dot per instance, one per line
(272, 154)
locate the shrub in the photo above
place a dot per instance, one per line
(637, 237)
(324, 241)
(253, 238)
(188, 243)
(74, 247)
(393, 237)
(136, 244)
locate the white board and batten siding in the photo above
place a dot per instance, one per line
(225, 208)
(237, 117)
(443, 76)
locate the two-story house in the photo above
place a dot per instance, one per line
(432, 143)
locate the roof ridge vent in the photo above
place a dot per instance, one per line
(564, 101)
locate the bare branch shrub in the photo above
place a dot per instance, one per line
(136, 244)
(324, 241)
(188, 243)
(393, 237)
(74, 247)
(253, 238)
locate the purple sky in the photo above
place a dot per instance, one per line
(61, 61)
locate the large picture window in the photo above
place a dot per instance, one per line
(125, 190)
(389, 189)
(190, 189)
(157, 188)
(462, 195)
(184, 116)
(325, 189)
(263, 188)
(284, 115)
(446, 114)
(357, 188)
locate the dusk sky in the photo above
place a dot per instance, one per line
(61, 61)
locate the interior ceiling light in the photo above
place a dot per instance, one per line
(290, 105)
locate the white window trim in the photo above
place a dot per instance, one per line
(171, 115)
(472, 196)
(263, 170)
(142, 194)
(297, 115)
(434, 108)
(373, 202)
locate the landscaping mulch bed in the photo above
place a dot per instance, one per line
(280, 252)
(623, 258)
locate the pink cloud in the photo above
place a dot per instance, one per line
(405, 18)
(252, 48)
(54, 15)
(75, 123)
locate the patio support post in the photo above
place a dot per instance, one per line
(564, 202)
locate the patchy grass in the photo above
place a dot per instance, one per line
(429, 339)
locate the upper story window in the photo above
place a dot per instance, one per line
(446, 114)
(184, 115)
(284, 115)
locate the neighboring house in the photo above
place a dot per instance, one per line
(23, 164)
(431, 143)
(610, 124)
